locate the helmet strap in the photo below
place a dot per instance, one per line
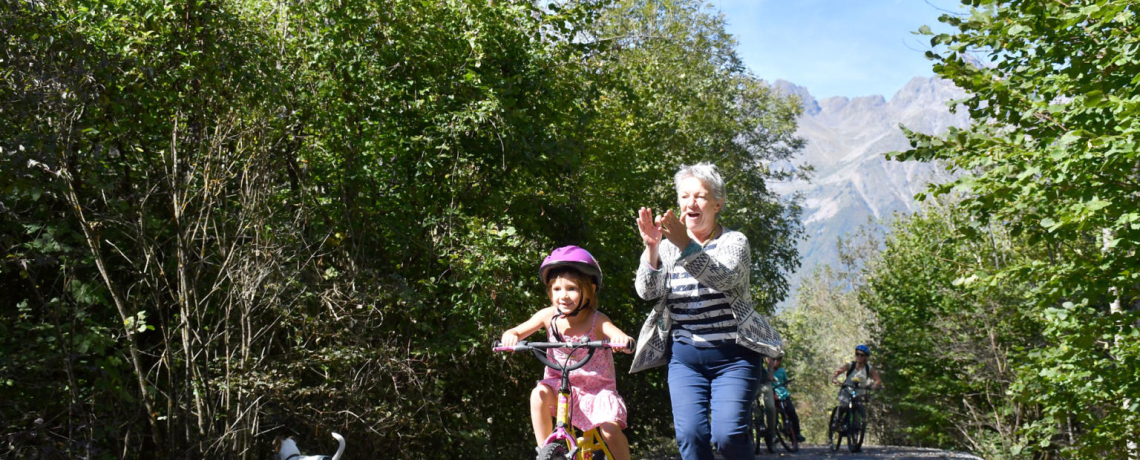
(553, 319)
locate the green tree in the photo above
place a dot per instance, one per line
(949, 344)
(231, 220)
(1052, 157)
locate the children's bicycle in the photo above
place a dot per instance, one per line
(563, 443)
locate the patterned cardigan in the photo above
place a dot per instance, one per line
(724, 268)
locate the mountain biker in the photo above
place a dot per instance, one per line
(780, 379)
(860, 373)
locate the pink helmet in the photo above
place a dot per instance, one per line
(571, 256)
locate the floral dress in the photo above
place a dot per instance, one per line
(594, 397)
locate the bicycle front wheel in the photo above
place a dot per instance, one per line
(553, 451)
(780, 436)
(834, 430)
(858, 429)
(756, 428)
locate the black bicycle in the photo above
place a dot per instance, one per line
(761, 414)
(785, 432)
(848, 421)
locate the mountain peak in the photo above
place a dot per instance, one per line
(811, 107)
(853, 181)
(926, 92)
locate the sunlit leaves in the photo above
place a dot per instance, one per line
(1052, 155)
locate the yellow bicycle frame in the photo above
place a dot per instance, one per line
(591, 441)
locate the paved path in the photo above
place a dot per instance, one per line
(868, 453)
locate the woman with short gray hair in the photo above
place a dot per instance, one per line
(703, 325)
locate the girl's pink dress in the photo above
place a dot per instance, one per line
(594, 396)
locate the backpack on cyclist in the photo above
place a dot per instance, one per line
(851, 370)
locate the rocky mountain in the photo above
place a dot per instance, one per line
(853, 181)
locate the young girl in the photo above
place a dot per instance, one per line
(573, 278)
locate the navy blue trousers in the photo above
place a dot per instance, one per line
(712, 390)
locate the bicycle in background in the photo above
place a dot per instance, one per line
(763, 417)
(849, 420)
(785, 432)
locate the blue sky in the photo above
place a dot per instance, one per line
(835, 47)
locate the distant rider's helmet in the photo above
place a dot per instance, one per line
(571, 256)
(864, 349)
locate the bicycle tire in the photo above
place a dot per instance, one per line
(834, 431)
(756, 427)
(778, 436)
(553, 451)
(858, 429)
(787, 431)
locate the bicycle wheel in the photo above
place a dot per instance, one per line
(553, 451)
(834, 430)
(759, 428)
(858, 429)
(778, 435)
(787, 432)
(756, 427)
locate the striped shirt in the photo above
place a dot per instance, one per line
(702, 316)
(688, 283)
(703, 286)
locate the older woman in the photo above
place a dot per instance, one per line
(703, 325)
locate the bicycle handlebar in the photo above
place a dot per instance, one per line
(538, 347)
(776, 384)
(526, 346)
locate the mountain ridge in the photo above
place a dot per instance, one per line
(853, 182)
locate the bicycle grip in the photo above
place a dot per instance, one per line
(520, 346)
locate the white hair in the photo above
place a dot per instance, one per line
(708, 176)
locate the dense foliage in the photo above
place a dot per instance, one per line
(230, 220)
(950, 347)
(822, 329)
(1041, 253)
(1004, 317)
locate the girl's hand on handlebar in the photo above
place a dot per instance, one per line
(622, 342)
(510, 338)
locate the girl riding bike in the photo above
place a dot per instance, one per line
(572, 278)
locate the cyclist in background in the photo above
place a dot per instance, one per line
(780, 386)
(859, 373)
